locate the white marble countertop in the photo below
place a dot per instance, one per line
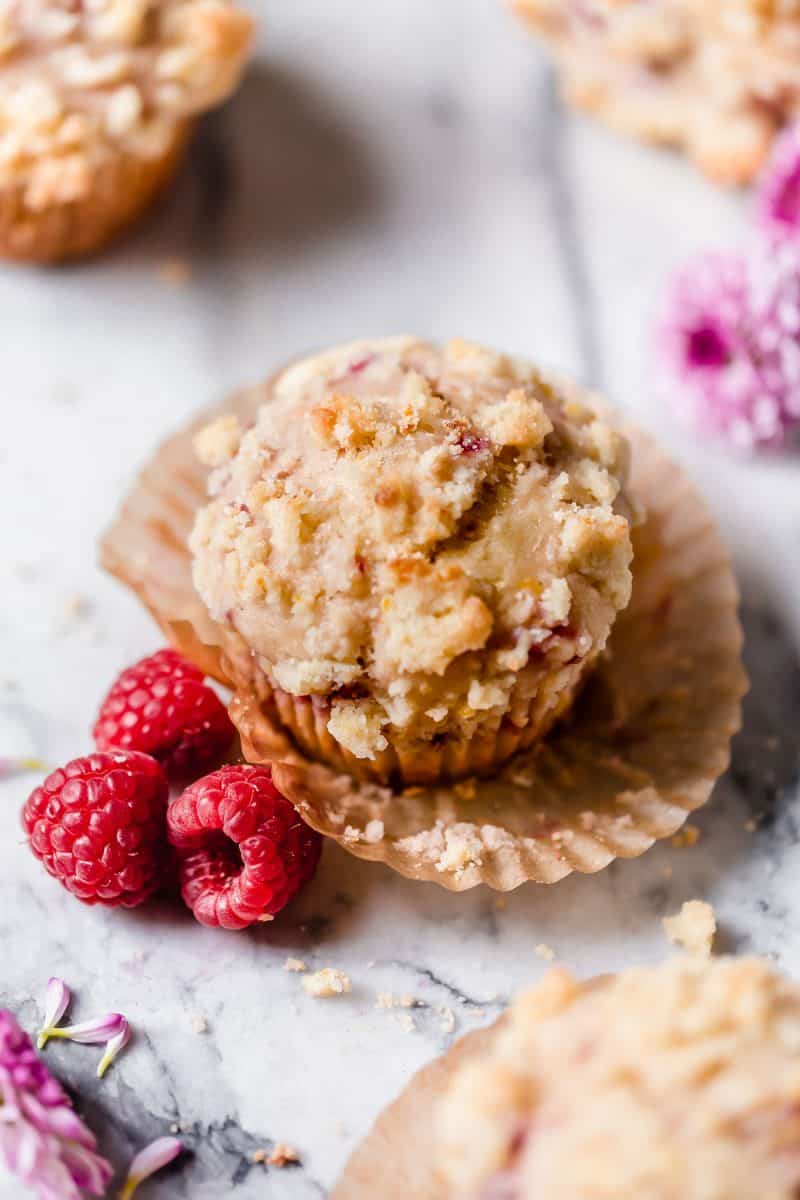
(386, 168)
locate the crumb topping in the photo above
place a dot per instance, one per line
(418, 535)
(79, 82)
(693, 928)
(328, 982)
(680, 1082)
(716, 78)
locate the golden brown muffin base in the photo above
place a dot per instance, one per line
(646, 742)
(121, 192)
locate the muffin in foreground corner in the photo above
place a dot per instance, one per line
(717, 80)
(422, 551)
(679, 1082)
(96, 106)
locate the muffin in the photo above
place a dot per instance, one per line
(421, 551)
(715, 79)
(96, 105)
(678, 1082)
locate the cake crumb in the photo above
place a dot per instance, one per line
(283, 1155)
(174, 1127)
(199, 1023)
(751, 825)
(389, 1000)
(326, 983)
(693, 928)
(501, 903)
(406, 1022)
(373, 832)
(174, 272)
(295, 964)
(546, 952)
(259, 1156)
(688, 836)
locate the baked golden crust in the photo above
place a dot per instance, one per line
(418, 546)
(96, 104)
(717, 80)
(680, 1082)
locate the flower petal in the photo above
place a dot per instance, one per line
(113, 1047)
(98, 1029)
(56, 1002)
(158, 1154)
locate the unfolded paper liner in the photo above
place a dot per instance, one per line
(642, 749)
(397, 1159)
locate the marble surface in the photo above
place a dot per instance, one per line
(385, 168)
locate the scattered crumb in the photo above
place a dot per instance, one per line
(448, 1021)
(389, 1000)
(259, 1156)
(688, 836)
(295, 964)
(283, 1155)
(373, 832)
(546, 952)
(199, 1023)
(477, 1013)
(76, 607)
(174, 1127)
(174, 272)
(693, 927)
(265, 917)
(500, 903)
(406, 1022)
(327, 982)
(751, 825)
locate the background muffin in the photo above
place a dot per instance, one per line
(680, 1082)
(715, 79)
(423, 549)
(96, 103)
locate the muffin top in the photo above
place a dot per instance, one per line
(415, 533)
(680, 1082)
(80, 81)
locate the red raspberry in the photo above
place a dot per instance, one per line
(243, 850)
(98, 826)
(163, 707)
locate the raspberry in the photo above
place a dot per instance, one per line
(98, 826)
(243, 850)
(163, 707)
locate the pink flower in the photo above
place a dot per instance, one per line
(42, 1141)
(158, 1154)
(778, 193)
(730, 340)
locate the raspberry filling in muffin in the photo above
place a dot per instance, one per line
(424, 546)
(680, 1082)
(718, 80)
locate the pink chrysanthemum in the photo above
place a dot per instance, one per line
(730, 338)
(778, 192)
(43, 1143)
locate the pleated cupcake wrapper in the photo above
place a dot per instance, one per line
(398, 1158)
(642, 748)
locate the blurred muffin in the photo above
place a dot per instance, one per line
(715, 79)
(422, 550)
(680, 1082)
(96, 104)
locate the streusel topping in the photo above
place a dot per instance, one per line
(81, 79)
(680, 1082)
(417, 534)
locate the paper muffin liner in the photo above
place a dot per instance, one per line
(305, 720)
(121, 190)
(398, 1158)
(641, 749)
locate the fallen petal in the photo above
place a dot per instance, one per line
(113, 1047)
(56, 1001)
(99, 1029)
(155, 1156)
